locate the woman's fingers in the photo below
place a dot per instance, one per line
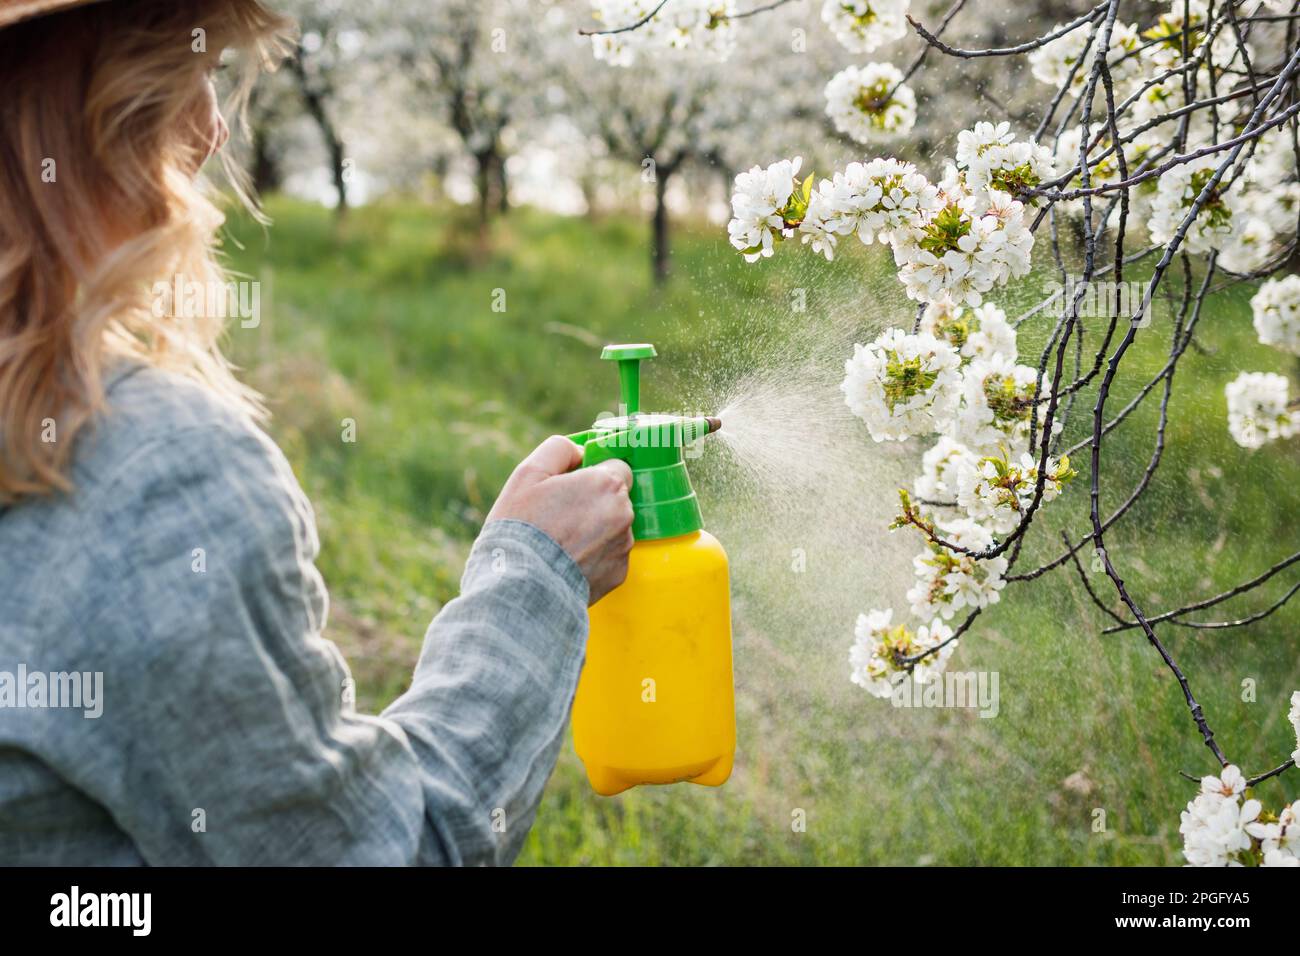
(555, 456)
(619, 469)
(588, 511)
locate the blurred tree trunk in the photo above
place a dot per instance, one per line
(441, 163)
(502, 186)
(464, 58)
(314, 99)
(340, 176)
(487, 181)
(264, 170)
(659, 250)
(589, 189)
(265, 173)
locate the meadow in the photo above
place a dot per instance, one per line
(453, 359)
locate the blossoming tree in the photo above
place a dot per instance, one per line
(1168, 138)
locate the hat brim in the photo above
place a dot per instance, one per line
(14, 11)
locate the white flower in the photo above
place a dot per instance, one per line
(1230, 783)
(981, 138)
(1278, 858)
(1053, 62)
(1226, 53)
(948, 581)
(690, 26)
(1277, 202)
(981, 493)
(992, 335)
(1175, 192)
(1281, 837)
(1276, 308)
(1257, 409)
(969, 246)
(863, 25)
(758, 207)
(1169, 95)
(940, 466)
(864, 102)
(1294, 717)
(1104, 169)
(1005, 252)
(1217, 825)
(990, 158)
(1273, 160)
(1201, 810)
(945, 319)
(1126, 71)
(1220, 827)
(980, 332)
(1168, 32)
(869, 200)
(929, 275)
(1250, 247)
(997, 401)
(996, 492)
(880, 650)
(1214, 828)
(902, 385)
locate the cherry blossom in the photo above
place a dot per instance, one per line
(1257, 409)
(1175, 193)
(1276, 309)
(760, 207)
(683, 26)
(902, 385)
(866, 102)
(880, 651)
(948, 581)
(863, 25)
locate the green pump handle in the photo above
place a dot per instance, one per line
(594, 452)
(640, 441)
(629, 359)
(662, 498)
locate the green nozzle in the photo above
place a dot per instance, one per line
(663, 500)
(629, 371)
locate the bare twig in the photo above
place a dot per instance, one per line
(629, 27)
(942, 47)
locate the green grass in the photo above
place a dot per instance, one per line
(390, 322)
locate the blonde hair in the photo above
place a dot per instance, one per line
(99, 146)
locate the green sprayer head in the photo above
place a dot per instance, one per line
(653, 446)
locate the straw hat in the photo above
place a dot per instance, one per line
(12, 11)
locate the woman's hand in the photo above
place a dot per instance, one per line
(587, 512)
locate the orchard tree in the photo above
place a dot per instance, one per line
(270, 109)
(325, 60)
(662, 100)
(477, 62)
(265, 115)
(650, 119)
(1166, 135)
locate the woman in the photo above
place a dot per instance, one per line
(166, 696)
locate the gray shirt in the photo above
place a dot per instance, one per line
(179, 575)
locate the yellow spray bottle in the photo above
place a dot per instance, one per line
(655, 701)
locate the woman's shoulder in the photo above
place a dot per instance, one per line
(148, 410)
(154, 419)
(165, 447)
(168, 481)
